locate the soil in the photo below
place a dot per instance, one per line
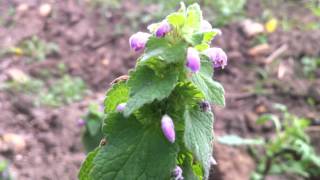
(93, 48)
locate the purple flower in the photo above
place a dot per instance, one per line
(163, 29)
(177, 173)
(193, 59)
(138, 40)
(217, 56)
(121, 107)
(205, 26)
(167, 127)
(81, 122)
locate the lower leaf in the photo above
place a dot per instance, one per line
(198, 136)
(135, 152)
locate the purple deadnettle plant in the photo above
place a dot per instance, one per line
(138, 40)
(163, 29)
(157, 122)
(217, 56)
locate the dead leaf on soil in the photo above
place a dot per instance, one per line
(282, 70)
(251, 28)
(18, 75)
(12, 142)
(259, 50)
(23, 7)
(45, 10)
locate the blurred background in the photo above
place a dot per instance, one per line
(57, 59)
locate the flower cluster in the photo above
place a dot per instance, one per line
(218, 57)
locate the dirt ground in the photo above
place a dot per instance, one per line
(92, 48)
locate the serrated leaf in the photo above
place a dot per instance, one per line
(146, 86)
(176, 19)
(202, 37)
(87, 165)
(157, 65)
(110, 121)
(198, 136)
(160, 48)
(184, 94)
(135, 152)
(119, 93)
(194, 18)
(206, 66)
(188, 172)
(212, 90)
(202, 47)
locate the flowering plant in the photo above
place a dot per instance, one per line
(159, 123)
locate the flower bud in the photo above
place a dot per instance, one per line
(205, 106)
(163, 29)
(81, 122)
(167, 127)
(205, 26)
(217, 56)
(193, 60)
(121, 107)
(138, 40)
(177, 173)
(101, 108)
(218, 31)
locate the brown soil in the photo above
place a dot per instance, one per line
(93, 49)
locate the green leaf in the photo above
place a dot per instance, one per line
(188, 172)
(235, 140)
(176, 19)
(202, 47)
(194, 18)
(87, 165)
(147, 113)
(146, 86)
(206, 66)
(109, 122)
(160, 48)
(90, 142)
(135, 152)
(212, 90)
(93, 125)
(119, 93)
(202, 37)
(270, 117)
(198, 136)
(185, 93)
